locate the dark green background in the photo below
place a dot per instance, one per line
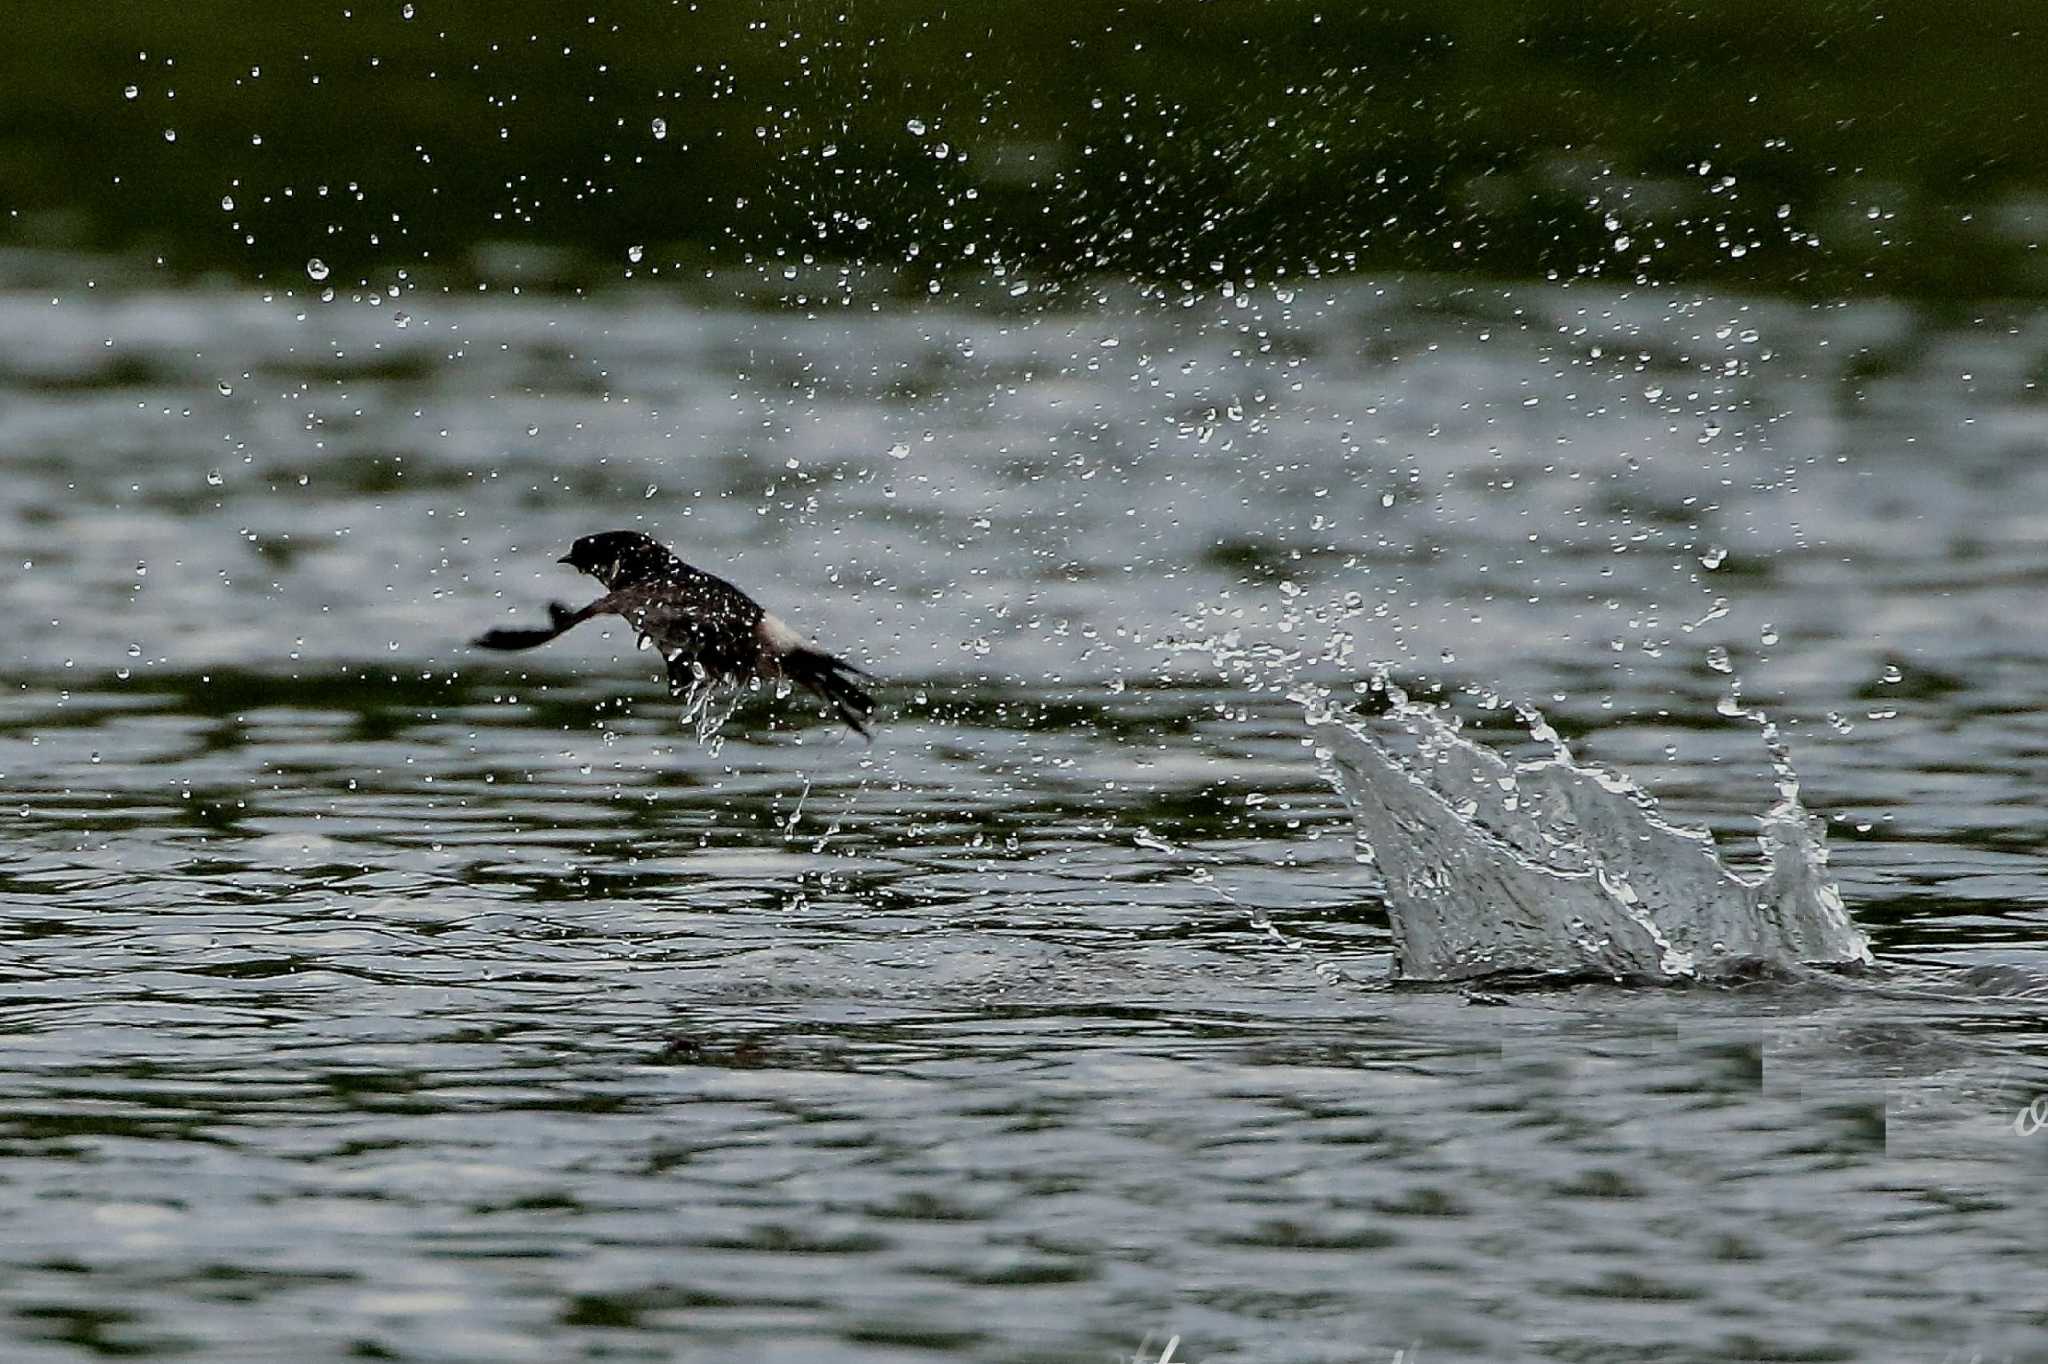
(1154, 139)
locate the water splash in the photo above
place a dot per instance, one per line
(1554, 868)
(708, 698)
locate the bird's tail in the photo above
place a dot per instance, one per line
(560, 616)
(832, 679)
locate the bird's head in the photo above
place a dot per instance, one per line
(621, 558)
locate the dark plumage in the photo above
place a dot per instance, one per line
(709, 631)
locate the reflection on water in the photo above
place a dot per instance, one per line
(367, 995)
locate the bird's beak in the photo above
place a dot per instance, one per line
(568, 559)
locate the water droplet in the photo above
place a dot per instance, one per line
(170, 134)
(1769, 634)
(225, 388)
(405, 12)
(1891, 673)
(659, 129)
(634, 253)
(916, 127)
(1714, 557)
(402, 319)
(652, 489)
(227, 203)
(1717, 659)
(316, 268)
(214, 478)
(899, 451)
(132, 91)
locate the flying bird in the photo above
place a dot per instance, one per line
(710, 632)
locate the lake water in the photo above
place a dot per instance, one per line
(368, 996)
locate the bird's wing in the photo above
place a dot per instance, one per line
(561, 616)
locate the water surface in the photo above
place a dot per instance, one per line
(369, 996)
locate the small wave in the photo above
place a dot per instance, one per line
(1554, 868)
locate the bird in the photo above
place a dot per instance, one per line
(710, 633)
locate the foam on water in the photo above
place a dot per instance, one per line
(1551, 867)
